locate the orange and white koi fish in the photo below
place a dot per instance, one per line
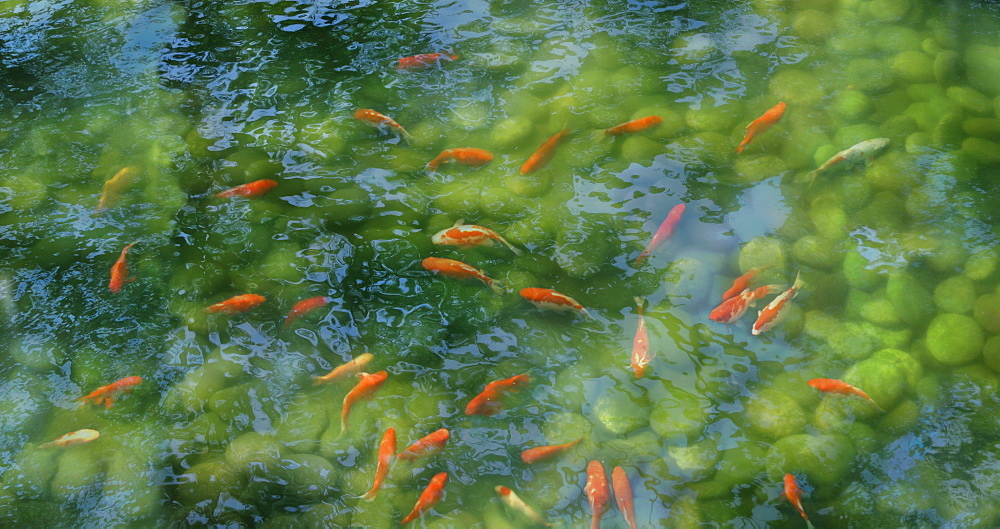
(541, 453)
(759, 125)
(380, 121)
(119, 272)
(743, 282)
(460, 270)
(250, 190)
(516, 504)
(364, 389)
(777, 309)
(665, 231)
(424, 60)
(640, 344)
(865, 151)
(488, 401)
(386, 455)
(839, 387)
(304, 307)
(106, 395)
(352, 367)
(114, 187)
(469, 235)
(544, 153)
(463, 155)
(78, 437)
(735, 307)
(636, 125)
(623, 495)
(546, 298)
(793, 493)
(236, 304)
(427, 445)
(597, 492)
(428, 498)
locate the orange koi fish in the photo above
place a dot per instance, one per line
(743, 282)
(236, 304)
(839, 387)
(304, 307)
(380, 121)
(460, 270)
(488, 401)
(597, 491)
(544, 153)
(386, 455)
(640, 344)
(546, 298)
(623, 495)
(776, 310)
(119, 272)
(792, 492)
(428, 498)
(424, 60)
(364, 389)
(114, 187)
(541, 453)
(733, 308)
(469, 235)
(764, 122)
(516, 504)
(250, 190)
(635, 125)
(106, 395)
(426, 446)
(78, 437)
(352, 367)
(463, 155)
(665, 231)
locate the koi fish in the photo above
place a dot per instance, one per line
(839, 387)
(304, 307)
(78, 437)
(423, 60)
(119, 272)
(250, 190)
(463, 155)
(597, 491)
(742, 282)
(544, 153)
(469, 235)
(541, 453)
(864, 151)
(735, 307)
(114, 187)
(665, 231)
(386, 455)
(792, 492)
(777, 309)
(364, 389)
(546, 298)
(426, 446)
(640, 344)
(379, 121)
(516, 504)
(352, 367)
(635, 125)
(623, 495)
(759, 125)
(106, 395)
(428, 498)
(236, 304)
(487, 402)
(460, 270)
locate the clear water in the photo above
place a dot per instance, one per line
(898, 259)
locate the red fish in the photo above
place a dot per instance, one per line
(237, 304)
(379, 120)
(665, 231)
(460, 270)
(304, 307)
(251, 190)
(743, 282)
(597, 492)
(106, 395)
(546, 298)
(428, 498)
(119, 272)
(541, 453)
(623, 495)
(78, 437)
(386, 455)
(764, 122)
(516, 504)
(544, 153)
(488, 401)
(733, 308)
(364, 389)
(424, 60)
(777, 309)
(345, 370)
(640, 344)
(839, 387)
(463, 155)
(793, 492)
(635, 125)
(469, 235)
(426, 446)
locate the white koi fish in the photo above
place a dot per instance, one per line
(865, 151)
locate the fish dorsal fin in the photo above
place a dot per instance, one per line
(458, 223)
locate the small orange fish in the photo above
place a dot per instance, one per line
(424, 60)
(78, 437)
(379, 120)
(460, 270)
(733, 308)
(364, 389)
(236, 304)
(777, 309)
(114, 187)
(597, 492)
(352, 367)
(463, 155)
(764, 122)
(516, 504)
(488, 401)
(428, 498)
(546, 298)
(106, 395)
(386, 455)
(640, 344)
(839, 387)
(544, 153)
(541, 453)
(119, 272)
(304, 307)
(793, 492)
(743, 282)
(426, 446)
(469, 235)
(635, 125)
(250, 190)
(665, 231)
(623, 495)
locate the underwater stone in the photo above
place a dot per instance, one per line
(79, 470)
(252, 448)
(207, 481)
(896, 39)
(620, 413)
(851, 342)
(888, 10)
(880, 378)
(914, 66)
(981, 264)
(511, 131)
(981, 150)
(910, 367)
(857, 272)
(946, 65)
(880, 311)
(695, 461)
(986, 311)
(754, 168)
(869, 75)
(817, 252)
(982, 68)
(813, 25)
(824, 459)
(955, 294)
(303, 478)
(687, 280)
(954, 339)
(710, 118)
(774, 414)
(851, 105)
(991, 353)
(912, 301)
(797, 88)
(970, 100)
(988, 128)
(678, 415)
(761, 252)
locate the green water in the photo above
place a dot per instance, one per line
(898, 258)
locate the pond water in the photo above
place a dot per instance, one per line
(900, 291)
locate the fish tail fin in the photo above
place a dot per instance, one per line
(45, 445)
(642, 257)
(407, 137)
(432, 166)
(516, 250)
(875, 405)
(588, 314)
(317, 380)
(639, 302)
(287, 325)
(797, 284)
(812, 178)
(498, 286)
(370, 495)
(809, 525)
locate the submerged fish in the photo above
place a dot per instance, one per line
(742, 282)
(424, 60)
(839, 387)
(460, 270)
(469, 235)
(119, 272)
(597, 493)
(793, 493)
(428, 498)
(546, 298)
(106, 395)
(379, 121)
(78, 437)
(304, 307)
(865, 151)
(623, 495)
(640, 344)
(516, 504)
(236, 304)
(732, 309)
(115, 186)
(352, 367)
(665, 231)
(759, 125)
(463, 155)
(426, 446)
(250, 190)
(777, 309)
(544, 153)
(488, 401)
(635, 125)
(541, 453)
(364, 389)
(386, 455)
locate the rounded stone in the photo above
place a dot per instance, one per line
(824, 459)
(991, 353)
(986, 311)
(620, 413)
(797, 88)
(773, 414)
(955, 294)
(954, 339)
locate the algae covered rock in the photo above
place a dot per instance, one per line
(986, 311)
(824, 459)
(678, 415)
(879, 377)
(910, 299)
(851, 105)
(955, 294)
(955, 339)
(797, 88)
(620, 413)
(774, 414)
(754, 168)
(761, 252)
(252, 449)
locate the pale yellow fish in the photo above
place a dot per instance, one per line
(115, 187)
(78, 437)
